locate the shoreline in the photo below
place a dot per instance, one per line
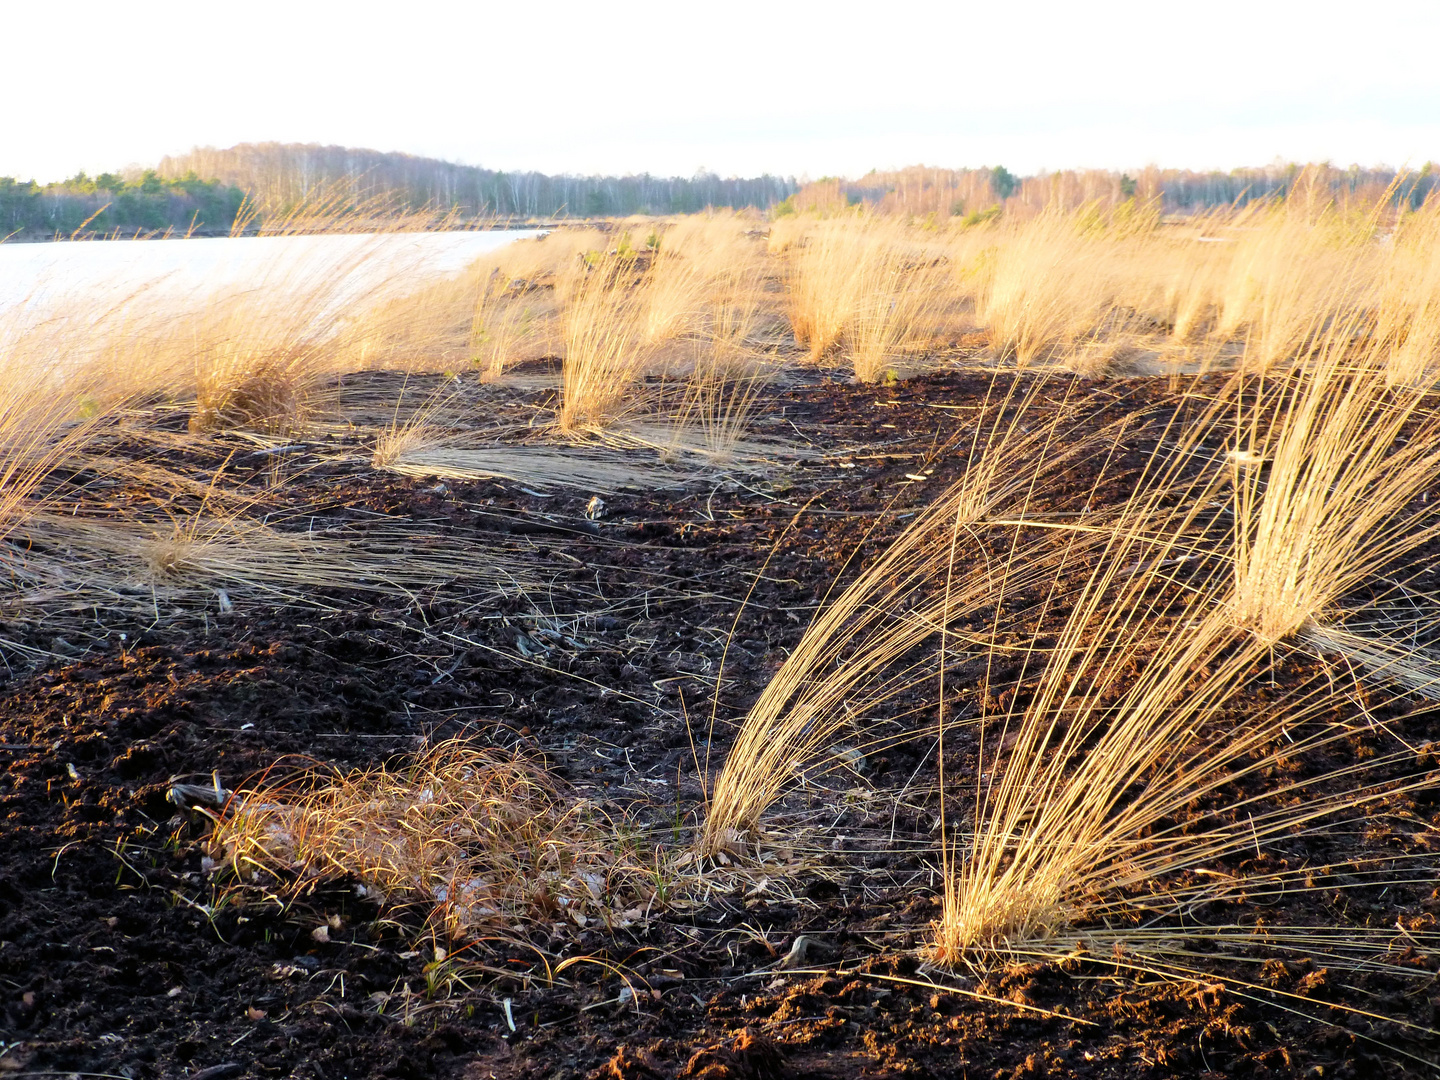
(21, 237)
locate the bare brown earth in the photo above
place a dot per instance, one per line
(121, 956)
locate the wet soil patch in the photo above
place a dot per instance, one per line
(119, 955)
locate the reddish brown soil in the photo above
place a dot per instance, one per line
(110, 964)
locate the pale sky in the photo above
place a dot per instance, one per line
(738, 87)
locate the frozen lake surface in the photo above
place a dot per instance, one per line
(47, 275)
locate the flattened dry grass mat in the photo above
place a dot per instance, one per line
(483, 840)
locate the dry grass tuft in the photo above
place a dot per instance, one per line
(869, 645)
(45, 417)
(605, 349)
(1341, 457)
(1076, 798)
(1051, 287)
(1297, 266)
(508, 326)
(1407, 307)
(270, 392)
(868, 284)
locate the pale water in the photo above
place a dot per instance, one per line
(47, 276)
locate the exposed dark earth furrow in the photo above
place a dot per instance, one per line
(122, 955)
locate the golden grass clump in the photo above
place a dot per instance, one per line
(1297, 265)
(1050, 286)
(253, 355)
(675, 287)
(47, 411)
(825, 284)
(268, 392)
(894, 320)
(605, 349)
(868, 284)
(1324, 469)
(1076, 797)
(484, 838)
(508, 325)
(1407, 307)
(256, 354)
(1132, 631)
(728, 372)
(866, 647)
(260, 356)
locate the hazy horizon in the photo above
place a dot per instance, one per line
(796, 92)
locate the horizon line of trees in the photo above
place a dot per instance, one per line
(978, 194)
(281, 176)
(204, 191)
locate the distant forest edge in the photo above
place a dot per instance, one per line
(206, 191)
(284, 175)
(203, 192)
(977, 195)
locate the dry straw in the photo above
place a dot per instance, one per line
(866, 283)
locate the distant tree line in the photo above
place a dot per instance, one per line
(280, 176)
(978, 194)
(204, 190)
(109, 203)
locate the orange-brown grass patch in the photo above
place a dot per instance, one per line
(484, 840)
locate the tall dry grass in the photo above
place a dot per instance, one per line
(606, 352)
(509, 324)
(872, 642)
(1296, 267)
(727, 374)
(1325, 468)
(1086, 288)
(1078, 798)
(256, 355)
(1133, 630)
(867, 284)
(1407, 304)
(1049, 287)
(698, 257)
(48, 407)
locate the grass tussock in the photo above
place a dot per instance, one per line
(508, 326)
(1060, 833)
(606, 353)
(45, 419)
(1326, 469)
(870, 644)
(1109, 652)
(1050, 289)
(874, 288)
(698, 260)
(1407, 304)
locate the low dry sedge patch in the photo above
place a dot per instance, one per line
(717, 647)
(482, 838)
